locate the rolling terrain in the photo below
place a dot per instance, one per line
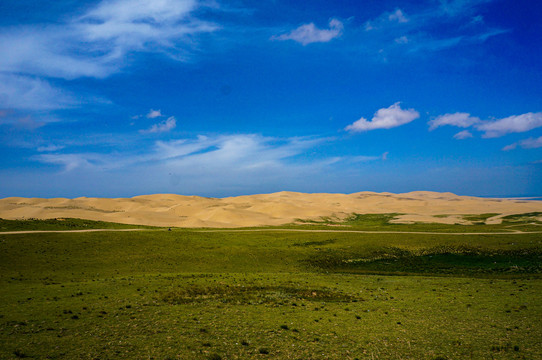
(267, 209)
(214, 294)
(361, 276)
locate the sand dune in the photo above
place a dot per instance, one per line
(264, 209)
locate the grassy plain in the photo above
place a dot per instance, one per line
(62, 224)
(207, 294)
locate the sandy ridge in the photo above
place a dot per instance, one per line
(264, 209)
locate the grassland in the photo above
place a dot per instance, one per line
(62, 224)
(200, 294)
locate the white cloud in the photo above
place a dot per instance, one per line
(398, 16)
(161, 127)
(365, 158)
(510, 147)
(154, 114)
(400, 35)
(29, 93)
(490, 128)
(51, 51)
(215, 165)
(465, 134)
(463, 120)
(309, 33)
(387, 18)
(386, 118)
(70, 162)
(385, 155)
(95, 44)
(459, 7)
(511, 124)
(142, 25)
(530, 143)
(402, 40)
(50, 148)
(204, 155)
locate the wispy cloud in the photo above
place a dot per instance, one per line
(28, 123)
(167, 125)
(395, 17)
(385, 155)
(402, 40)
(465, 134)
(95, 44)
(490, 128)
(50, 148)
(54, 51)
(510, 147)
(152, 114)
(398, 16)
(439, 26)
(366, 158)
(230, 153)
(70, 162)
(426, 42)
(385, 118)
(530, 143)
(309, 33)
(122, 26)
(460, 7)
(214, 164)
(31, 93)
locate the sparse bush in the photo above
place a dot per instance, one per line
(20, 354)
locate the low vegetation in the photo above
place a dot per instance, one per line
(199, 294)
(62, 224)
(440, 260)
(383, 222)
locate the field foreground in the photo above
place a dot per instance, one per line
(266, 294)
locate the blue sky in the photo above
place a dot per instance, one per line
(120, 98)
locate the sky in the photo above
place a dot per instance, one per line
(118, 98)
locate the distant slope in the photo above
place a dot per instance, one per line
(265, 209)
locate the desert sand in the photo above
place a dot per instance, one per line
(265, 209)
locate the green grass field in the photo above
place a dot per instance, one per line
(199, 294)
(62, 224)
